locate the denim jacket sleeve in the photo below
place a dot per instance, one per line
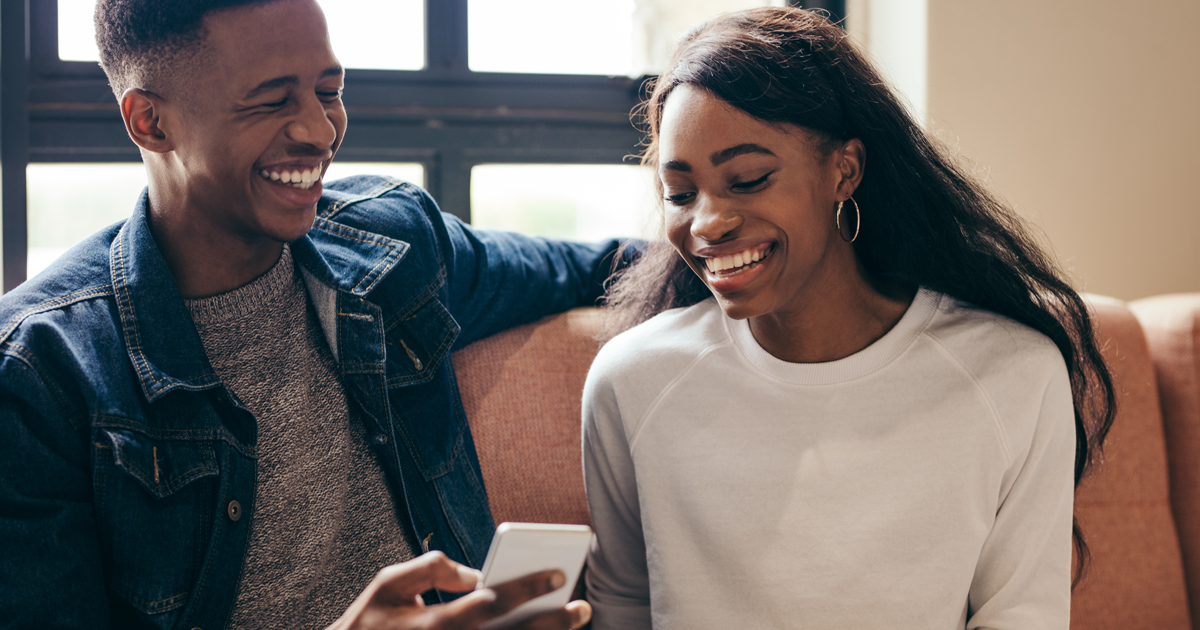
(51, 554)
(498, 280)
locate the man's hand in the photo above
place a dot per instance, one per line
(393, 599)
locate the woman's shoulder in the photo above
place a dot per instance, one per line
(666, 343)
(990, 345)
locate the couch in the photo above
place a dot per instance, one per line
(1139, 509)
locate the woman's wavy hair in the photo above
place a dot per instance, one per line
(925, 220)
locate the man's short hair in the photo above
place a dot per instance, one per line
(149, 44)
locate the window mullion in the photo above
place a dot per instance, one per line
(446, 35)
(14, 139)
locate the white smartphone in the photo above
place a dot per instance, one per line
(519, 549)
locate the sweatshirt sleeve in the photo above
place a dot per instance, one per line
(1023, 578)
(618, 583)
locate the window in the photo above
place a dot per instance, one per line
(457, 89)
(393, 38)
(610, 37)
(586, 202)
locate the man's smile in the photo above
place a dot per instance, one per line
(296, 177)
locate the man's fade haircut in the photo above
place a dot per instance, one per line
(151, 44)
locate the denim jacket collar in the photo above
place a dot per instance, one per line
(161, 340)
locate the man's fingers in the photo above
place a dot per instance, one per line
(471, 610)
(581, 613)
(575, 615)
(400, 584)
(513, 593)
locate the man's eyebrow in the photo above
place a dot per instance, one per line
(675, 165)
(721, 157)
(271, 84)
(278, 82)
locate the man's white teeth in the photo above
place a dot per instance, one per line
(734, 261)
(298, 179)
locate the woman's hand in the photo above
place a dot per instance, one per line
(393, 601)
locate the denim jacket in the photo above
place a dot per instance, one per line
(127, 469)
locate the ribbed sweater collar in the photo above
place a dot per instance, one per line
(262, 291)
(870, 359)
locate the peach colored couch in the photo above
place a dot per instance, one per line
(1140, 509)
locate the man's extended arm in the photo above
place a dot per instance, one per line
(498, 280)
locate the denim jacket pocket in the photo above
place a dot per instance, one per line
(155, 498)
(417, 343)
(162, 466)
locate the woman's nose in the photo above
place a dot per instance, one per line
(714, 220)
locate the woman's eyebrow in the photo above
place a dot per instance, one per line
(721, 157)
(718, 158)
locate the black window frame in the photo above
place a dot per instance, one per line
(446, 117)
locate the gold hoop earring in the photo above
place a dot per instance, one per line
(857, 221)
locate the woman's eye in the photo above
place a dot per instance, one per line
(752, 185)
(279, 103)
(679, 199)
(330, 96)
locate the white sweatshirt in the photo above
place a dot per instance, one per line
(925, 482)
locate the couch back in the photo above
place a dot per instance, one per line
(1135, 580)
(521, 391)
(1172, 327)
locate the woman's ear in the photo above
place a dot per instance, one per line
(852, 158)
(142, 111)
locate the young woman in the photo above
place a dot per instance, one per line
(870, 395)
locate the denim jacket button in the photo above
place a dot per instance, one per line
(234, 510)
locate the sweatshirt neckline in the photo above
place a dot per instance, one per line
(260, 293)
(870, 359)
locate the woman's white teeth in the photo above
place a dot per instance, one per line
(734, 261)
(298, 179)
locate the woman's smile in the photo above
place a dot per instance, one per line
(729, 273)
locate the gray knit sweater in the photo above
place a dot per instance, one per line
(324, 521)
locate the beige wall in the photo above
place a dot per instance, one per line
(1085, 114)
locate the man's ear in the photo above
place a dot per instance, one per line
(141, 111)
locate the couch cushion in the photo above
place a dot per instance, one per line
(521, 390)
(1135, 579)
(1172, 325)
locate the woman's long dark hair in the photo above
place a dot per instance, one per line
(925, 221)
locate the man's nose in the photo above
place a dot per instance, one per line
(313, 126)
(714, 219)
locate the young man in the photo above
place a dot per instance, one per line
(237, 406)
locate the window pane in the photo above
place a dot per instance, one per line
(609, 37)
(68, 202)
(375, 34)
(584, 202)
(76, 31)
